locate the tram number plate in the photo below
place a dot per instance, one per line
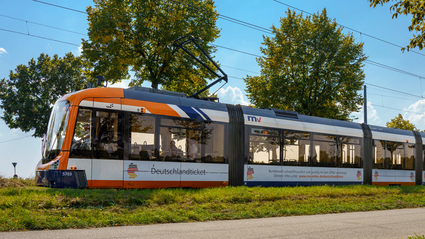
(66, 174)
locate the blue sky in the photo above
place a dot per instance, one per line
(384, 105)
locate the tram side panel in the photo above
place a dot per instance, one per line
(135, 151)
(290, 153)
(394, 157)
(151, 174)
(183, 147)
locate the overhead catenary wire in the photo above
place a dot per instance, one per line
(374, 63)
(244, 70)
(6, 141)
(352, 29)
(256, 27)
(400, 92)
(35, 23)
(253, 26)
(54, 5)
(408, 111)
(45, 38)
(392, 96)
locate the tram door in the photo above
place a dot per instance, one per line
(108, 147)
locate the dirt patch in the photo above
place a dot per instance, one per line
(11, 182)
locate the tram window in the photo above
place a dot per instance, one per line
(180, 144)
(348, 140)
(214, 143)
(82, 141)
(142, 137)
(264, 150)
(296, 152)
(409, 160)
(379, 154)
(261, 131)
(108, 141)
(296, 135)
(350, 156)
(181, 123)
(324, 153)
(322, 137)
(393, 155)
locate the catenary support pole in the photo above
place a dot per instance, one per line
(365, 105)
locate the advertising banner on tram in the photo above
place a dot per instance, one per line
(174, 171)
(397, 176)
(277, 175)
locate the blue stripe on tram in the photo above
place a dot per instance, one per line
(191, 113)
(294, 184)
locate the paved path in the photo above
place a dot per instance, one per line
(378, 224)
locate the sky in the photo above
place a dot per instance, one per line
(30, 27)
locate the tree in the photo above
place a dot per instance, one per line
(400, 123)
(416, 9)
(309, 66)
(30, 92)
(138, 35)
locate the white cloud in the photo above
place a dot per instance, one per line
(2, 51)
(78, 51)
(231, 95)
(372, 115)
(418, 118)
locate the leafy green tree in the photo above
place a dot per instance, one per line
(31, 90)
(138, 35)
(400, 123)
(406, 7)
(309, 66)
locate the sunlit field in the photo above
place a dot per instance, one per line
(24, 206)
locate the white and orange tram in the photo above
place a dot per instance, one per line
(145, 138)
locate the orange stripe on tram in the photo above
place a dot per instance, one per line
(153, 107)
(174, 184)
(105, 183)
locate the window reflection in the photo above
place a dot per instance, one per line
(82, 142)
(180, 141)
(56, 130)
(324, 154)
(264, 150)
(409, 160)
(351, 156)
(214, 143)
(296, 152)
(394, 155)
(108, 142)
(142, 137)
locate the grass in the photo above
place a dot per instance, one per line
(27, 207)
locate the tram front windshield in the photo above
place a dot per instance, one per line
(56, 130)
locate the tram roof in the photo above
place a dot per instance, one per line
(169, 97)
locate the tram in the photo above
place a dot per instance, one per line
(146, 138)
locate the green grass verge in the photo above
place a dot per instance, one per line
(37, 208)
